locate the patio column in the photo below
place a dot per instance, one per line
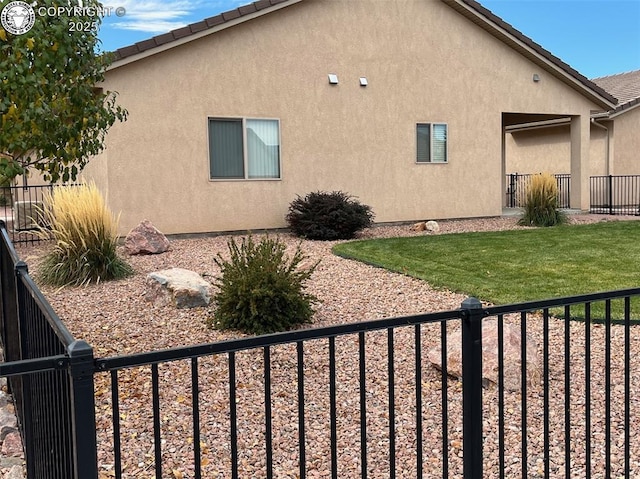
(580, 138)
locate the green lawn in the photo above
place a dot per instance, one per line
(514, 266)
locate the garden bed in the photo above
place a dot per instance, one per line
(116, 319)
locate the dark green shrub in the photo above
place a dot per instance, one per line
(261, 290)
(541, 206)
(328, 216)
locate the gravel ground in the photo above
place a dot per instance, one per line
(116, 319)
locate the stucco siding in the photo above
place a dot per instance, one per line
(549, 150)
(424, 63)
(627, 143)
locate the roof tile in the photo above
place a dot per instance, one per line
(213, 21)
(181, 32)
(247, 9)
(231, 15)
(164, 38)
(198, 27)
(127, 51)
(146, 44)
(624, 86)
(262, 4)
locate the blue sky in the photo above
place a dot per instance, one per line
(596, 37)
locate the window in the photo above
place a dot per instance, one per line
(242, 148)
(432, 143)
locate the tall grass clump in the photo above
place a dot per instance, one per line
(85, 234)
(261, 290)
(541, 203)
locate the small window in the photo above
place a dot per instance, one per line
(431, 143)
(242, 149)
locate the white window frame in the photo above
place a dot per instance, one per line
(431, 124)
(245, 154)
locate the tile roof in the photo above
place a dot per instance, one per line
(194, 28)
(624, 86)
(260, 5)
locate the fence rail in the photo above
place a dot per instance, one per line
(50, 375)
(21, 210)
(518, 183)
(615, 195)
(356, 400)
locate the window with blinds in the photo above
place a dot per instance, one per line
(431, 143)
(243, 148)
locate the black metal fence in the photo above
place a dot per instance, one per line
(50, 376)
(21, 210)
(517, 185)
(560, 398)
(615, 195)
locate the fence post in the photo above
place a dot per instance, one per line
(610, 194)
(472, 314)
(83, 410)
(21, 386)
(513, 181)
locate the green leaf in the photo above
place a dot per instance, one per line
(47, 84)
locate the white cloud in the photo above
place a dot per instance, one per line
(155, 16)
(148, 26)
(158, 16)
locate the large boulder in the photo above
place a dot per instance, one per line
(177, 286)
(146, 239)
(511, 354)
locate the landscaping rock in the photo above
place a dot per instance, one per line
(511, 351)
(8, 423)
(432, 226)
(146, 239)
(16, 472)
(421, 226)
(177, 286)
(12, 445)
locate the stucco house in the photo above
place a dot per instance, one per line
(615, 136)
(406, 104)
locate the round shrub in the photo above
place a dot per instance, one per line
(541, 203)
(260, 289)
(328, 216)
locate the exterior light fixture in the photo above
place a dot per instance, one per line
(536, 77)
(363, 81)
(333, 78)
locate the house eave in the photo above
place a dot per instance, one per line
(627, 107)
(196, 36)
(536, 125)
(538, 55)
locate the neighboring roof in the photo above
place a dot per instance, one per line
(624, 86)
(471, 9)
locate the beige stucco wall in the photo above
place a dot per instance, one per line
(424, 63)
(626, 145)
(539, 150)
(549, 149)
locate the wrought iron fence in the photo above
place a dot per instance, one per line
(50, 375)
(615, 195)
(517, 185)
(21, 209)
(569, 410)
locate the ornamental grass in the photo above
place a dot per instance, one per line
(85, 234)
(541, 204)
